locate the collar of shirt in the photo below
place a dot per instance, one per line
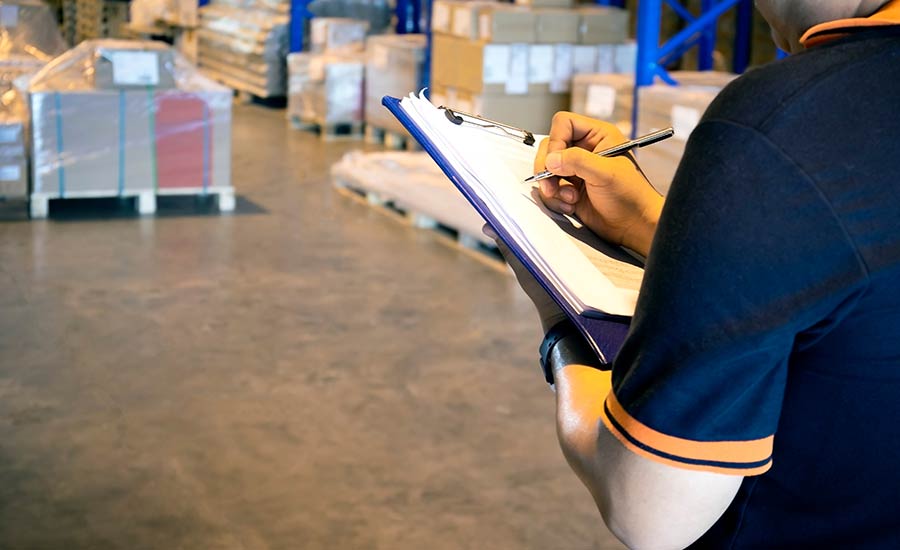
(888, 15)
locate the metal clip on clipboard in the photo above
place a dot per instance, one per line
(459, 117)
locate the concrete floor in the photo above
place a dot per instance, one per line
(313, 376)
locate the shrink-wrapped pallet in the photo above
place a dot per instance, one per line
(394, 65)
(124, 118)
(326, 88)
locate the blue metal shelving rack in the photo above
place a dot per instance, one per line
(699, 31)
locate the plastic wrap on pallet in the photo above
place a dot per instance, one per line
(337, 34)
(244, 47)
(413, 182)
(121, 117)
(13, 159)
(608, 97)
(394, 65)
(326, 88)
(681, 107)
(29, 38)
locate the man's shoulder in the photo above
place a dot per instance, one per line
(757, 97)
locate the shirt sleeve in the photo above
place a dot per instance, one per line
(748, 265)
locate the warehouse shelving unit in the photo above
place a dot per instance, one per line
(699, 31)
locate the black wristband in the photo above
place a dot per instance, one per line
(556, 333)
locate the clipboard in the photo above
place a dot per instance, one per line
(605, 333)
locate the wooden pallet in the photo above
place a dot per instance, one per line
(390, 139)
(330, 132)
(145, 201)
(470, 244)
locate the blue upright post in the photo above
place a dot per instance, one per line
(707, 42)
(297, 26)
(426, 65)
(743, 36)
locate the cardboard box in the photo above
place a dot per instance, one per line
(394, 66)
(124, 141)
(603, 25)
(608, 97)
(505, 24)
(442, 15)
(475, 66)
(465, 19)
(546, 3)
(329, 34)
(557, 26)
(531, 112)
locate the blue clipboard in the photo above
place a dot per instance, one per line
(605, 332)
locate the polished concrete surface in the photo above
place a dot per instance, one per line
(314, 375)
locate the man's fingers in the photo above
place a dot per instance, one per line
(573, 130)
(575, 161)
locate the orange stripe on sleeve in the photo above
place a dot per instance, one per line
(750, 451)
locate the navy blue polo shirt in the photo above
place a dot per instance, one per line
(766, 339)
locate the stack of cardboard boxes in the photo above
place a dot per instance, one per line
(325, 86)
(13, 157)
(515, 63)
(394, 67)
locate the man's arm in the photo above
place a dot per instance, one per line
(646, 504)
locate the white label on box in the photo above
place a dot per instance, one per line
(9, 16)
(517, 83)
(462, 22)
(562, 68)
(317, 68)
(440, 17)
(606, 58)
(135, 68)
(10, 134)
(601, 101)
(540, 63)
(584, 59)
(684, 120)
(10, 172)
(380, 56)
(495, 63)
(484, 26)
(626, 58)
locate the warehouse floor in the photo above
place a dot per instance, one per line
(311, 374)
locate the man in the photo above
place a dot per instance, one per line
(756, 400)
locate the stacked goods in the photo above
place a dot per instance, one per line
(244, 46)
(29, 38)
(394, 67)
(337, 34)
(515, 63)
(13, 159)
(325, 86)
(680, 107)
(100, 19)
(608, 97)
(120, 118)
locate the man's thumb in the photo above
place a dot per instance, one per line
(574, 161)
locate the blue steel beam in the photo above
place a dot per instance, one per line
(743, 36)
(297, 26)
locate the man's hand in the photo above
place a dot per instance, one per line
(608, 194)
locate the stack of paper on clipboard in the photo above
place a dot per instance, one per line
(594, 282)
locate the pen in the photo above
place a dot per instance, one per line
(652, 137)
